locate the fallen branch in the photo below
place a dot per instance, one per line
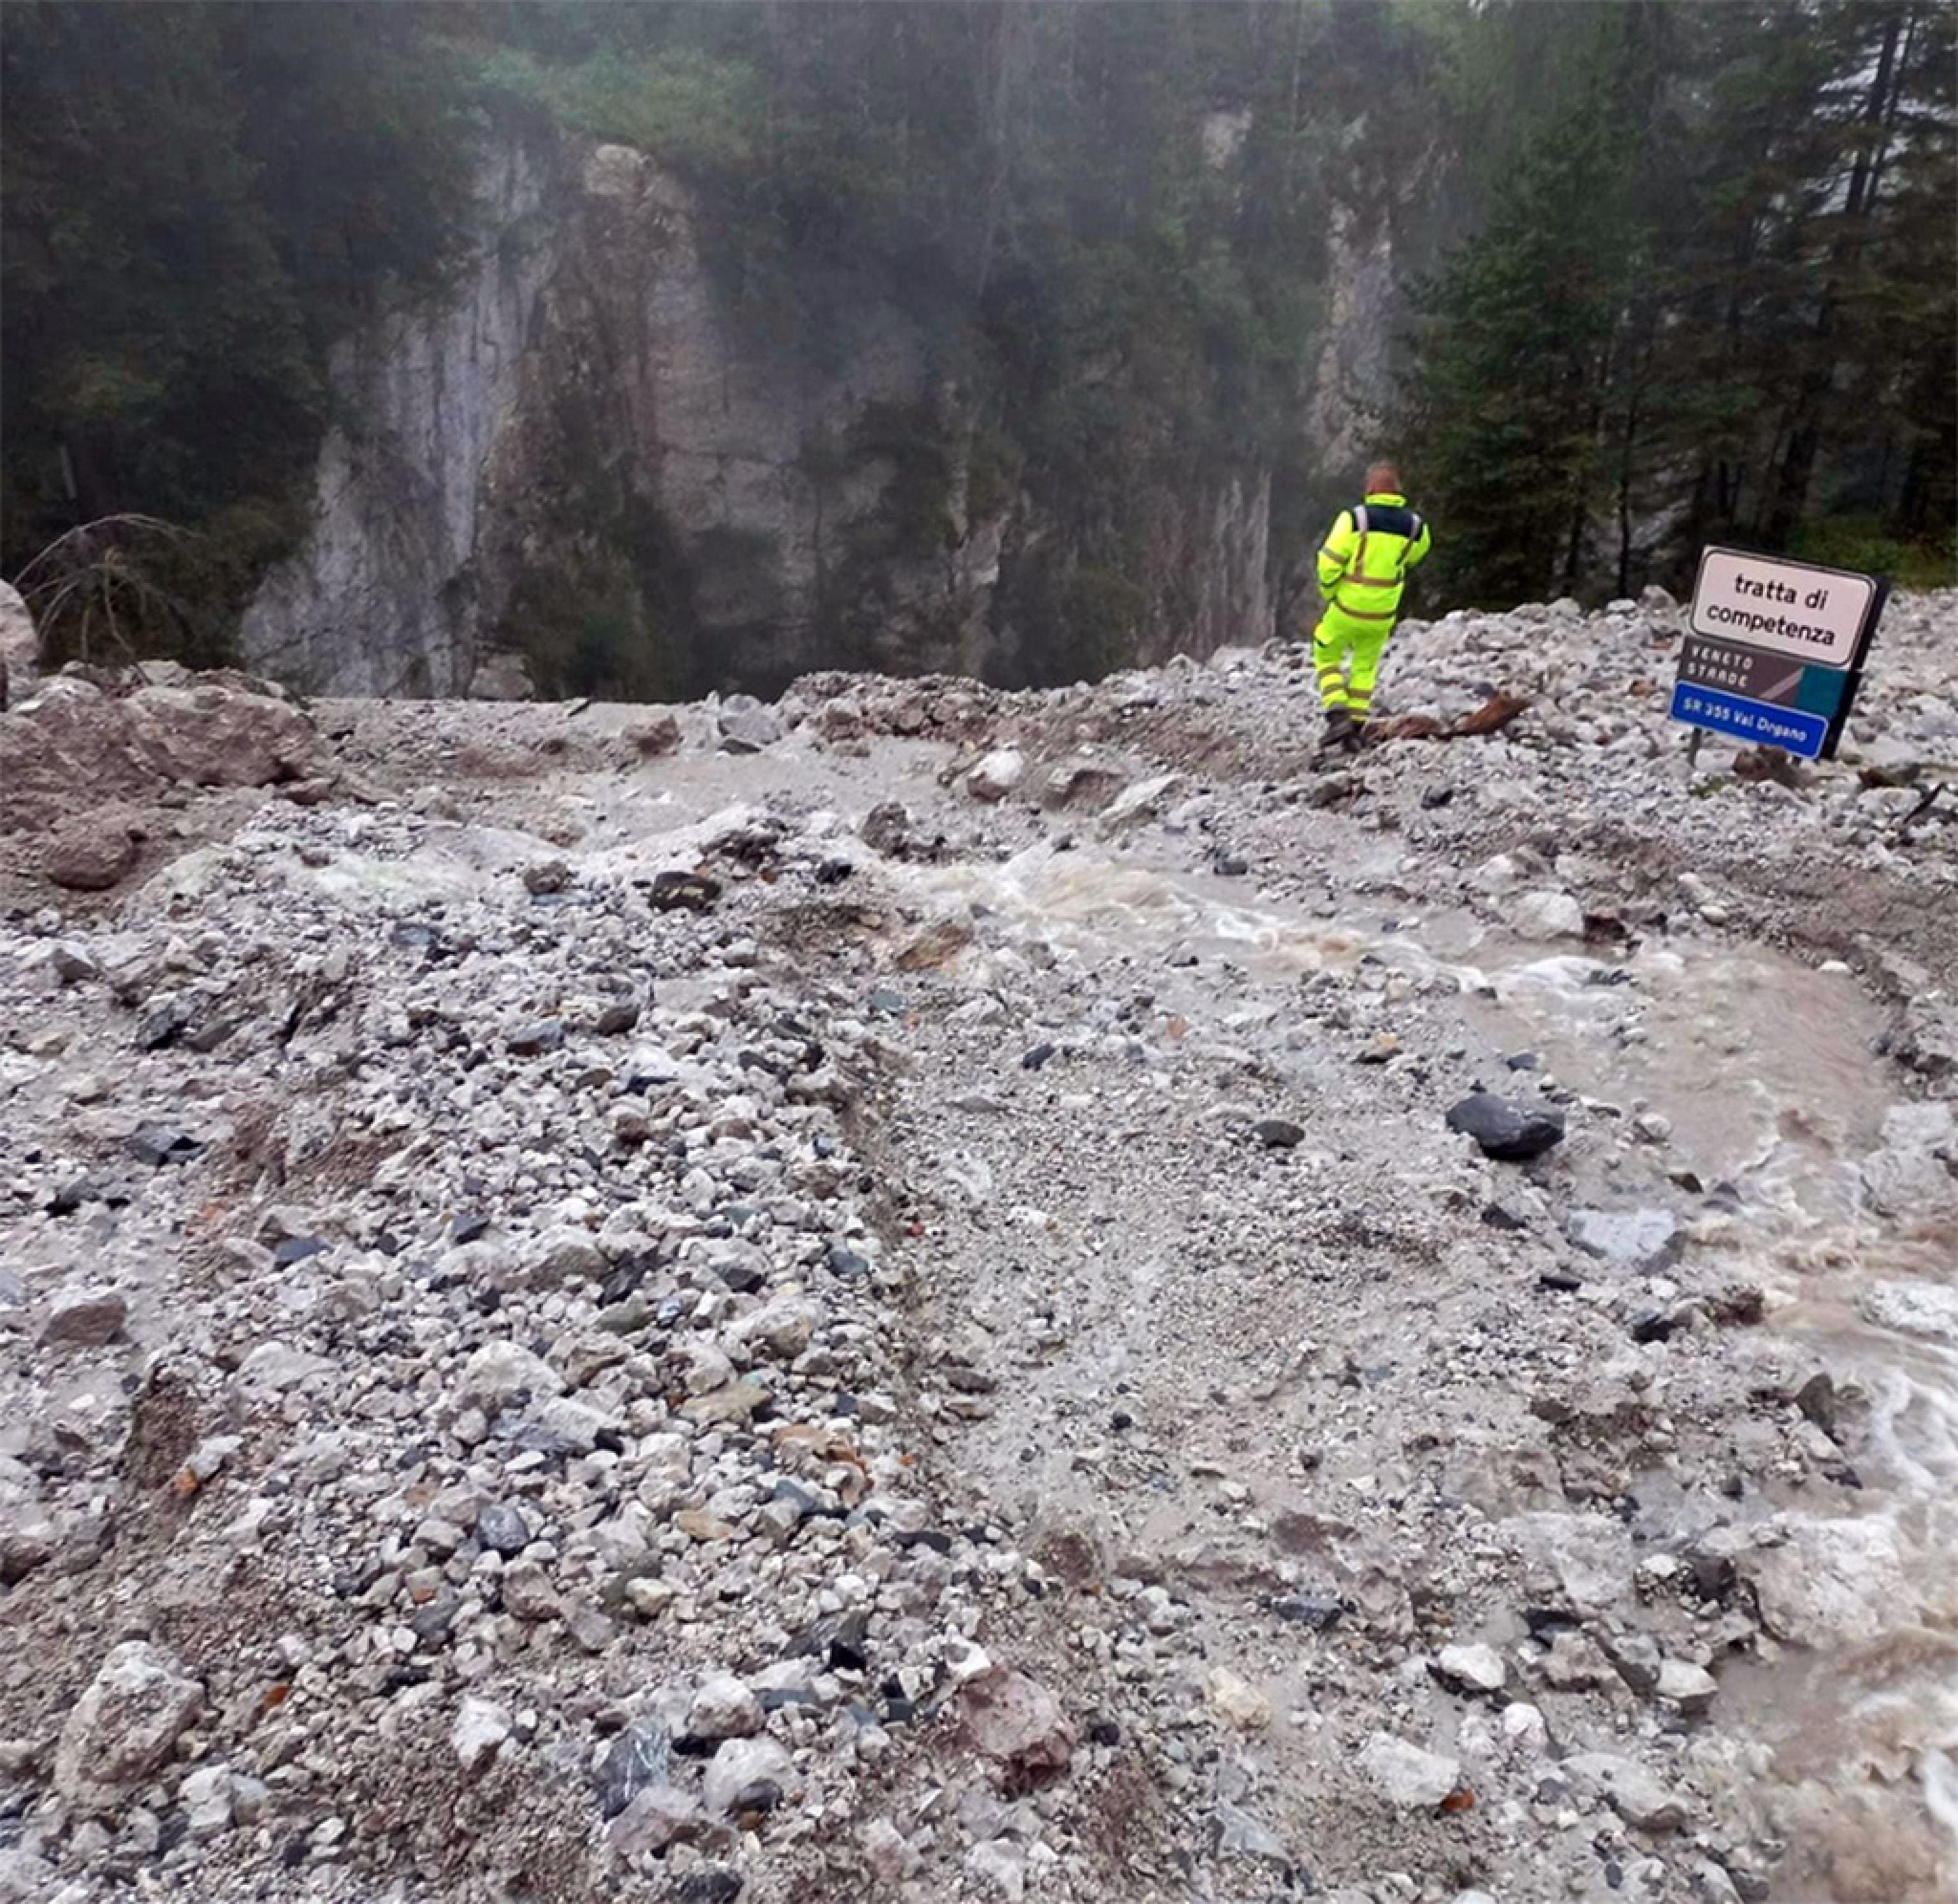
(1494, 714)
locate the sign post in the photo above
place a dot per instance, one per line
(1775, 651)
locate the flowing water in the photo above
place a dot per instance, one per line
(1766, 1069)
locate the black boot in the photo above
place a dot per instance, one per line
(1338, 727)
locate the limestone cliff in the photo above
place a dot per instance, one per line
(593, 453)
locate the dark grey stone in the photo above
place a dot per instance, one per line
(1510, 1133)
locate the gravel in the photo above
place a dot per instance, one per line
(990, 1370)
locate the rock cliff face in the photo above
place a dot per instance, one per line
(593, 455)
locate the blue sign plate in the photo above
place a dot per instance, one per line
(1790, 729)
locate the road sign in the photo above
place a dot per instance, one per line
(1816, 615)
(1758, 721)
(1776, 651)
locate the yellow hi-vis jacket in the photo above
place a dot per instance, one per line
(1364, 563)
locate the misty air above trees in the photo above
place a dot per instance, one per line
(1661, 273)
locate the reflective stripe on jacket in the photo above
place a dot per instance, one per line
(1363, 564)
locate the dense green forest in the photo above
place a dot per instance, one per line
(1688, 270)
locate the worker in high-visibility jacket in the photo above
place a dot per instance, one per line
(1363, 566)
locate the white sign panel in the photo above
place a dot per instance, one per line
(1788, 608)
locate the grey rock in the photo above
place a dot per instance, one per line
(1637, 1796)
(1278, 1134)
(26, 1877)
(638, 1759)
(1406, 1775)
(501, 1528)
(748, 727)
(1693, 1689)
(1647, 1239)
(723, 1707)
(73, 965)
(84, 1319)
(528, 1593)
(1475, 1667)
(499, 1372)
(1240, 1834)
(533, 1040)
(157, 1144)
(479, 1732)
(1914, 1308)
(1510, 1133)
(996, 775)
(660, 1816)
(123, 1726)
(739, 1765)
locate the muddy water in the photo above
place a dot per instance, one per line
(1765, 1069)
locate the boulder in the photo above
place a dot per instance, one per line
(1827, 1582)
(1406, 1775)
(1509, 1132)
(1545, 915)
(1018, 1724)
(90, 850)
(217, 736)
(84, 1319)
(123, 1726)
(20, 647)
(74, 742)
(739, 1767)
(1632, 1792)
(1646, 1239)
(502, 677)
(996, 775)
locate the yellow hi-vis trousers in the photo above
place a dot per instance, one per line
(1337, 634)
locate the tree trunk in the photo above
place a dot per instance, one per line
(1805, 415)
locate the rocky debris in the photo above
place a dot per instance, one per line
(124, 1725)
(1511, 1133)
(72, 735)
(726, 1384)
